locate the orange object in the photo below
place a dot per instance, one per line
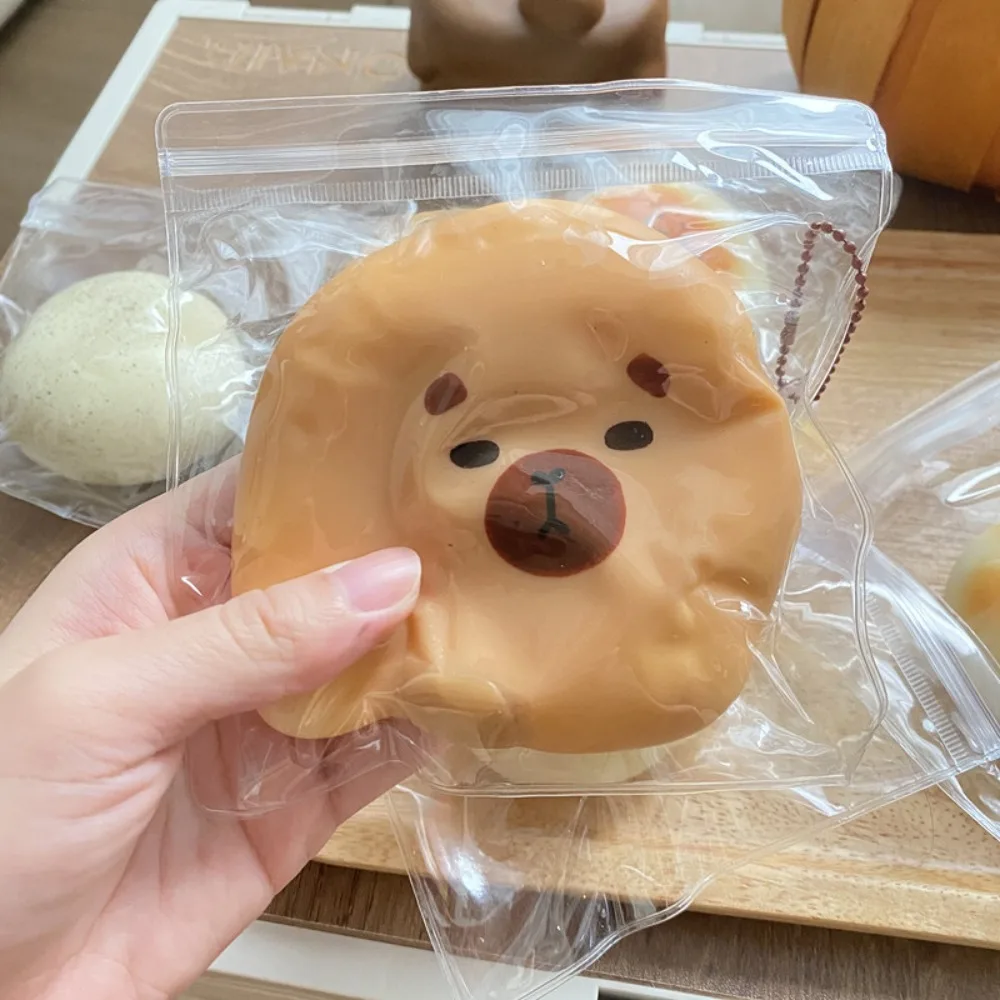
(930, 68)
(567, 418)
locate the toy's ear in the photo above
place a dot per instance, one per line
(649, 375)
(445, 392)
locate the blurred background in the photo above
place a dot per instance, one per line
(55, 56)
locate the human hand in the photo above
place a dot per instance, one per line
(115, 882)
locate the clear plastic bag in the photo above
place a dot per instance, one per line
(934, 483)
(534, 860)
(471, 227)
(84, 414)
(73, 231)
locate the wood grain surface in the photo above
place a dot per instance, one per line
(46, 87)
(934, 308)
(919, 868)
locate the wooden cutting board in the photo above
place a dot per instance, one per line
(919, 868)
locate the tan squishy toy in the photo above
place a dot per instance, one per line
(686, 209)
(566, 417)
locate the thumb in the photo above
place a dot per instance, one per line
(151, 688)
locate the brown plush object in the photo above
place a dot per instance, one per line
(494, 43)
(567, 419)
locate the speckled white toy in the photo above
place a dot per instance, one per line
(83, 388)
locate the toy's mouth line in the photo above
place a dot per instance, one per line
(553, 525)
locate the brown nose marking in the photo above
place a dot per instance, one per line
(555, 513)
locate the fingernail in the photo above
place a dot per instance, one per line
(379, 582)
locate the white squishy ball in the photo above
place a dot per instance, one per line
(973, 588)
(83, 388)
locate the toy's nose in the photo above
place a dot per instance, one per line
(555, 513)
(548, 478)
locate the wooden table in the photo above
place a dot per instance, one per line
(711, 954)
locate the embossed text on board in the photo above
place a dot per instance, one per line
(259, 55)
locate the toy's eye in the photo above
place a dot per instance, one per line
(475, 454)
(629, 435)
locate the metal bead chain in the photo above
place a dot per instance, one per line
(793, 315)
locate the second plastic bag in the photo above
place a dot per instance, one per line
(934, 483)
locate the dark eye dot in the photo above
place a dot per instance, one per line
(629, 435)
(475, 454)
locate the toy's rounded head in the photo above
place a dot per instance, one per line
(566, 417)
